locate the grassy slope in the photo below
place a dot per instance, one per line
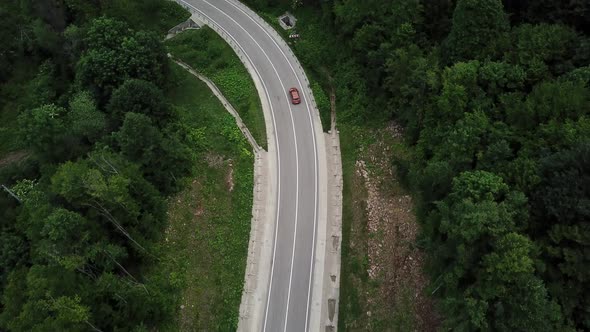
(208, 53)
(204, 251)
(354, 249)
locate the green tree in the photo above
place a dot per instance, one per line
(42, 89)
(141, 97)
(543, 50)
(412, 78)
(85, 120)
(439, 14)
(73, 44)
(580, 75)
(8, 32)
(560, 208)
(559, 101)
(47, 40)
(82, 10)
(550, 101)
(375, 29)
(112, 190)
(42, 130)
(518, 299)
(478, 281)
(144, 151)
(573, 12)
(41, 308)
(163, 158)
(12, 296)
(65, 237)
(13, 252)
(497, 78)
(115, 54)
(479, 31)
(460, 93)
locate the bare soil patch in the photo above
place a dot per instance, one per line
(395, 295)
(13, 157)
(229, 178)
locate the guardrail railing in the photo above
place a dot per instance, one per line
(240, 52)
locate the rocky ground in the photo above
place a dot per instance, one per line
(394, 266)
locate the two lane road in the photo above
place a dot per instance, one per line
(288, 300)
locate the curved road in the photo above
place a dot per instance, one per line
(297, 139)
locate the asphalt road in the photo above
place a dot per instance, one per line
(288, 300)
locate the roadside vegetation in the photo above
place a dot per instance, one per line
(494, 100)
(129, 186)
(205, 51)
(205, 244)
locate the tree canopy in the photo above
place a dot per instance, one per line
(80, 224)
(493, 97)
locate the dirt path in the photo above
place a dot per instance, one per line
(13, 157)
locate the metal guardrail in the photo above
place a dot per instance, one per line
(241, 54)
(226, 104)
(291, 58)
(281, 40)
(218, 29)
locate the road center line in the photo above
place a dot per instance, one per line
(277, 146)
(315, 154)
(297, 171)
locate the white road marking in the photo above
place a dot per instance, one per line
(297, 167)
(277, 152)
(315, 159)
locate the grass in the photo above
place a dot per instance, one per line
(403, 318)
(203, 254)
(322, 100)
(209, 54)
(354, 239)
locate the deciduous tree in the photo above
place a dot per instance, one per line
(479, 31)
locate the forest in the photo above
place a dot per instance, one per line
(84, 81)
(494, 97)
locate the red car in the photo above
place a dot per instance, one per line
(295, 99)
